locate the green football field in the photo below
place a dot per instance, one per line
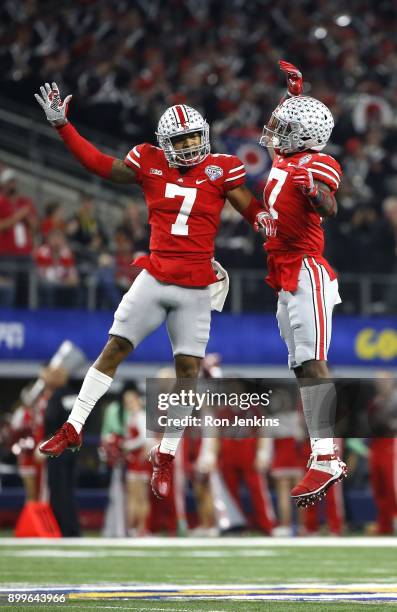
(188, 574)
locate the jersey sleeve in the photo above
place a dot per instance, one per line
(325, 169)
(234, 173)
(135, 159)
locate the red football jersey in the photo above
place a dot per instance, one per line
(299, 231)
(184, 212)
(18, 238)
(54, 267)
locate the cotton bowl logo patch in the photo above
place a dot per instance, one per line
(303, 160)
(213, 172)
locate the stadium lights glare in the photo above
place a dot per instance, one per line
(320, 33)
(343, 20)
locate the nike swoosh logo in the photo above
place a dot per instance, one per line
(198, 182)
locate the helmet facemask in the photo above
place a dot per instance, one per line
(178, 122)
(283, 136)
(189, 156)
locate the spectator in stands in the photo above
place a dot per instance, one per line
(57, 273)
(18, 216)
(124, 254)
(115, 273)
(133, 223)
(235, 242)
(54, 218)
(390, 239)
(84, 231)
(362, 239)
(7, 286)
(18, 223)
(370, 111)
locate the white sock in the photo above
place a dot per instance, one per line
(173, 433)
(319, 407)
(95, 385)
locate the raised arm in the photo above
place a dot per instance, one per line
(294, 79)
(87, 154)
(294, 88)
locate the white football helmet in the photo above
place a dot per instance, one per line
(298, 124)
(179, 120)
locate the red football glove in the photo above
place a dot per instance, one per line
(303, 179)
(294, 78)
(265, 221)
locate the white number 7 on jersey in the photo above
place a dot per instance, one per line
(180, 227)
(280, 177)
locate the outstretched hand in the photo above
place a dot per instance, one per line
(50, 101)
(264, 221)
(294, 78)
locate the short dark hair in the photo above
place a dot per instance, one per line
(130, 385)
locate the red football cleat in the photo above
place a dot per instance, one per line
(162, 472)
(65, 437)
(324, 471)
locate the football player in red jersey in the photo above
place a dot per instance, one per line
(298, 195)
(185, 187)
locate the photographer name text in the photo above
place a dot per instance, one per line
(209, 420)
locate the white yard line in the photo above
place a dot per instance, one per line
(60, 553)
(156, 542)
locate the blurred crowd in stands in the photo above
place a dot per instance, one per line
(126, 61)
(64, 250)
